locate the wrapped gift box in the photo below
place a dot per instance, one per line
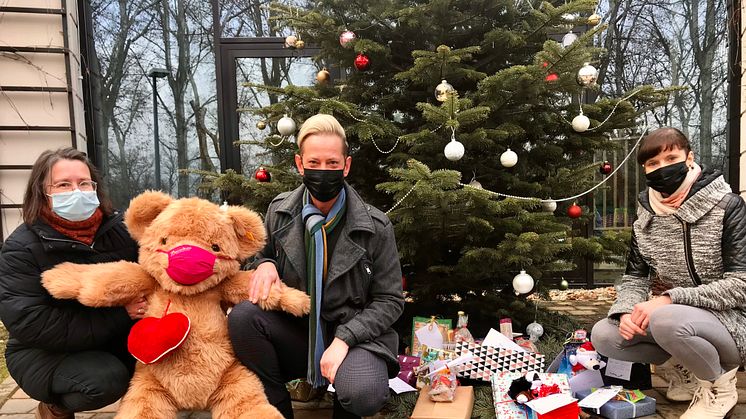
(407, 364)
(459, 408)
(505, 408)
(618, 409)
(568, 411)
(490, 360)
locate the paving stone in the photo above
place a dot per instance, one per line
(19, 406)
(20, 394)
(576, 312)
(19, 416)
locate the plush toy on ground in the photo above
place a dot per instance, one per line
(189, 271)
(586, 358)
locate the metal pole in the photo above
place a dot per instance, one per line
(155, 135)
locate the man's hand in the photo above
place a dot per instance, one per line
(332, 358)
(264, 276)
(642, 311)
(628, 329)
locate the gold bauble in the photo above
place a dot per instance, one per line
(323, 76)
(300, 44)
(261, 125)
(594, 19)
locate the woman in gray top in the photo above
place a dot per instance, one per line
(682, 295)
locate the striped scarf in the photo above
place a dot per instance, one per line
(317, 228)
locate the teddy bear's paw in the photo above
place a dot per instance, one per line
(62, 281)
(296, 302)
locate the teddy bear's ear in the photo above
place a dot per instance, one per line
(143, 210)
(249, 230)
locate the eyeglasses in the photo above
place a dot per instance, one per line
(86, 186)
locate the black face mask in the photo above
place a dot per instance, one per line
(324, 185)
(668, 178)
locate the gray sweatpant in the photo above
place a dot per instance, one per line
(695, 337)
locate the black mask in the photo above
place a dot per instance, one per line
(668, 178)
(324, 185)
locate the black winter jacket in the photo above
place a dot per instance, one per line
(40, 324)
(363, 292)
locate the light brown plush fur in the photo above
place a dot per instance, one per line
(203, 373)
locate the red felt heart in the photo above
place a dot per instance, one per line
(152, 338)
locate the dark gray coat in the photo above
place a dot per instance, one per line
(363, 292)
(696, 256)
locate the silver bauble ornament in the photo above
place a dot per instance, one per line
(549, 205)
(523, 283)
(534, 331)
(286, 126)
(581, 123)
(475, 184)
(443, 90)
(454, 150)
(587, 75)
(508, 158)
(563, 285)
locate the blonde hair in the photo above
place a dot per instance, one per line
(322, 124)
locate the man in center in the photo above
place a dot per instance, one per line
(323, 238)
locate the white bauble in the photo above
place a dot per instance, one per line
(549, 205)
(286, 125)
(568, 39)
(581, 123)
(508, 158)
(523, 283)
(454, 150)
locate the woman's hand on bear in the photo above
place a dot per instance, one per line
(137, 308)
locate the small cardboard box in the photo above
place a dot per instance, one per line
(459, 408)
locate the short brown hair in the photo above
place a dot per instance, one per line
(662, 139)
(322, 124)
(35, 198)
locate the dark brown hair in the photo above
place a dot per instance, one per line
(662, 139)
(36, 198)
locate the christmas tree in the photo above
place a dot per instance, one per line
(444, 103)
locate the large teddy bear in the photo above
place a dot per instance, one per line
(189, 266)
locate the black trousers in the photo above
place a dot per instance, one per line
(76, 381)
(274, 345)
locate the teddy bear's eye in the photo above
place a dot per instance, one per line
(163, 240)
(215, 248)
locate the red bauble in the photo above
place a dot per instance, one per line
(362, 62)
(574, 211)
(262, 175)
(545, 64)
(551, 78)
(605, 168)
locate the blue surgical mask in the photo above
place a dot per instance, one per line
(75, 205)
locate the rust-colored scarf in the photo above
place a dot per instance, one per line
(82, 231)
(669, 204)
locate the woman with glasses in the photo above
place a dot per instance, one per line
(70, 357)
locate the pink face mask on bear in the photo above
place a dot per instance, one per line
(189, 265)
